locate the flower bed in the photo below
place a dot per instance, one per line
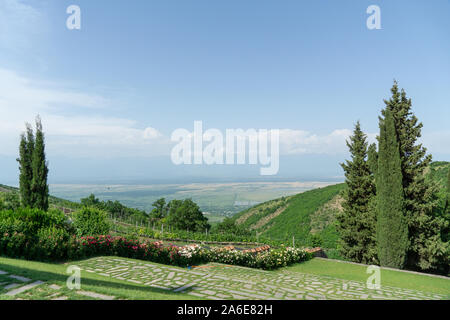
(268, 260)
(54, 246)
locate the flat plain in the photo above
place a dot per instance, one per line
(216, 200)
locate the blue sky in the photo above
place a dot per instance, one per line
(111, 93)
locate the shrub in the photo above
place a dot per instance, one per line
(13, 244)
(29, 221)
(51, 244)
(315, 240)
(34, 234)
(91, 221)
(9, 201)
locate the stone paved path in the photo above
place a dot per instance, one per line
(216, 281)
(21, 288)
(14, 284)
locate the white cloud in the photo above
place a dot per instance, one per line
(89, 133)
(95, 133)
(304, 142)
(151, 133)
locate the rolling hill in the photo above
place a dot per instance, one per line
(55, 202)
(310, 217)
(306, 216)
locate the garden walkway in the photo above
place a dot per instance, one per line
(215, 281)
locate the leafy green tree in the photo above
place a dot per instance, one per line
(90, 201)
(356, 224)
(446, 216)
(172, 207)
(392, 227)
(426, 249)
(160, 210)
(39, 186)
(186, 215)
(25, 159)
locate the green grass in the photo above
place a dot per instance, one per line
(56, 274)
(52, 273)
(348, 271)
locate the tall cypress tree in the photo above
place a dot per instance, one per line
(39, 184)
(426, 249)
(26, 150)
(372, 161)
(392, 227)
(357, 224)
(447, 202)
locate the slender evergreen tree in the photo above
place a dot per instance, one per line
(26, 150)
(426, 250)
(372, 161)
(357, 224)
(447, 202)
(392, 227)
(39, 186)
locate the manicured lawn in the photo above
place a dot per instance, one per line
(354, 272)
(123, 278)
(56, 274)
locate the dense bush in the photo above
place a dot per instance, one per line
(9, 201)
(91, 221)
(29, 221)
(34, 234)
